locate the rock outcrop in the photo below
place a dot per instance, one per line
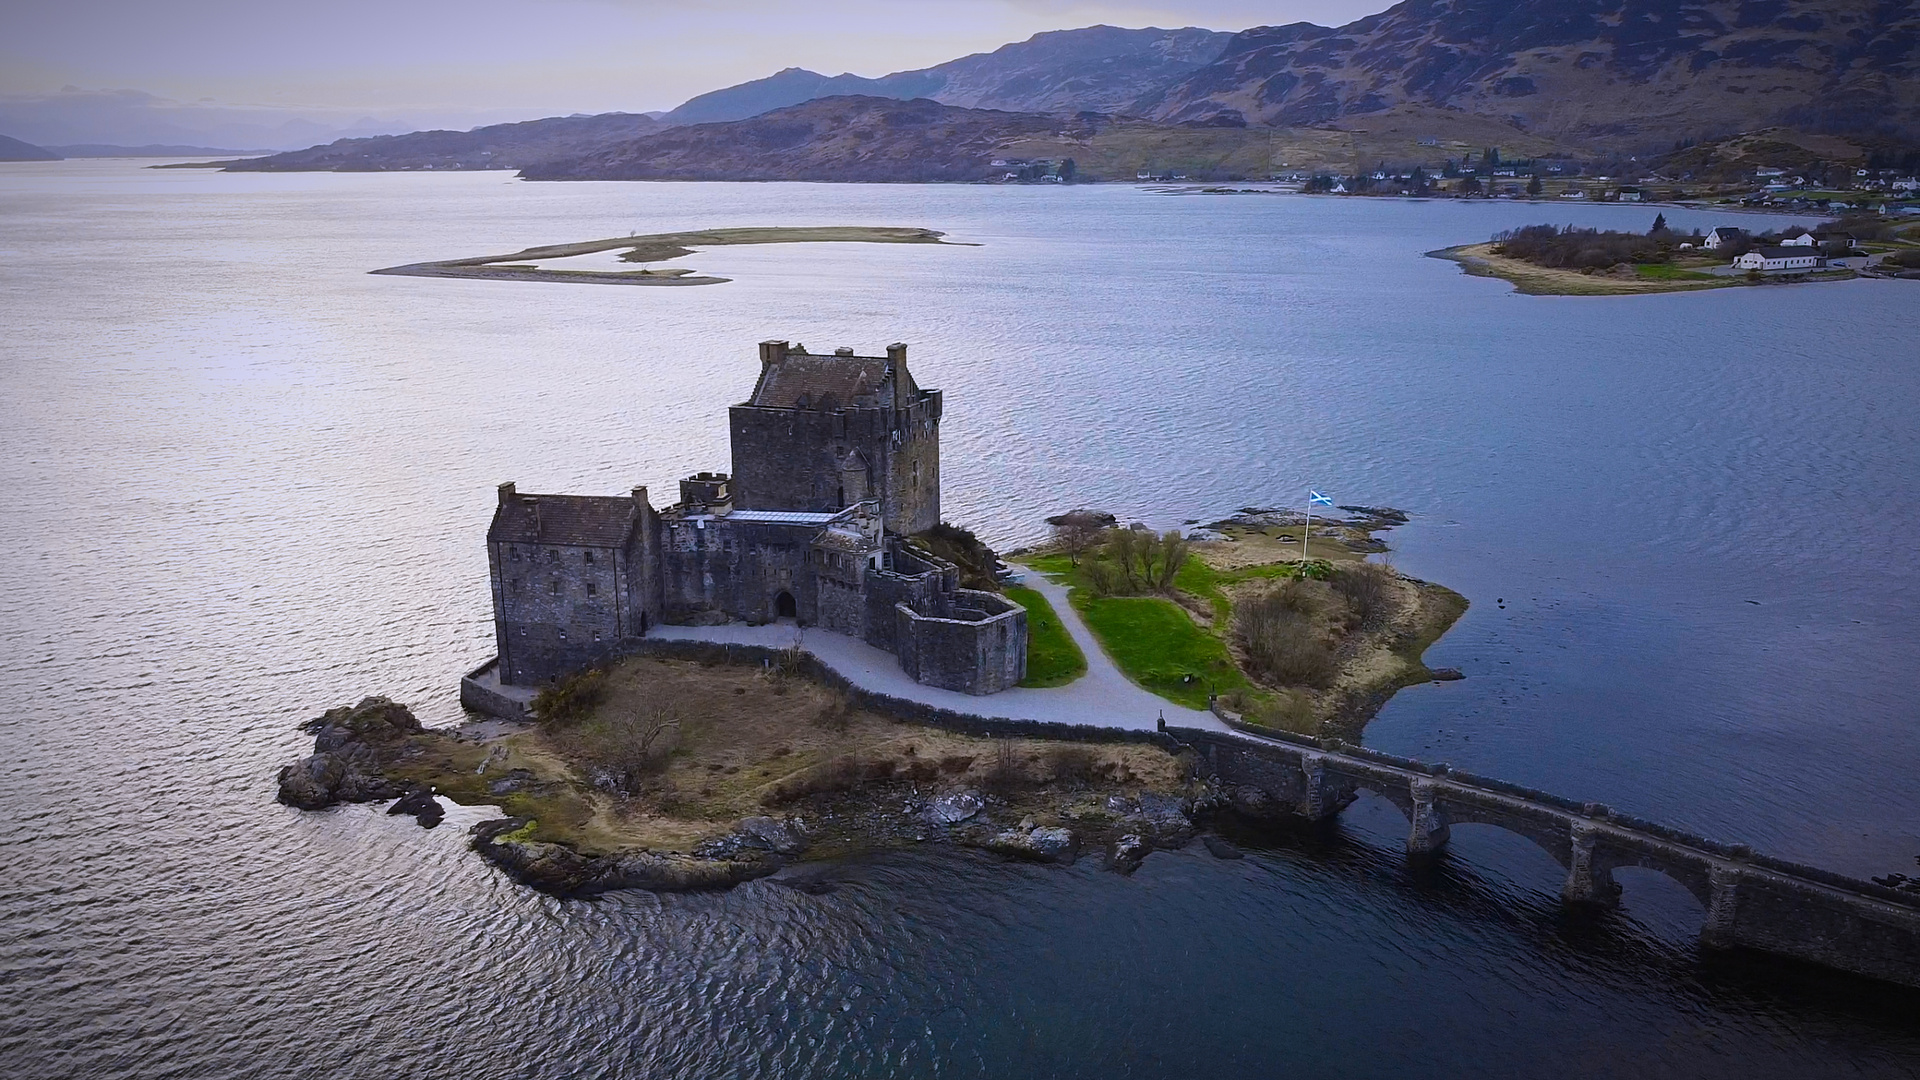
(561, 871)
(344, 766)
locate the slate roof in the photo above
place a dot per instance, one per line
(805, 376)
(564, 520)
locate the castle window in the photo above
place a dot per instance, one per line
(553, 555)
(516, 555)
(515, 586)
(589, 558)
(556, 586)
(592, 589)
(563, 633)
(596, 635)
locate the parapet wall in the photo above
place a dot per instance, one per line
(977, 646)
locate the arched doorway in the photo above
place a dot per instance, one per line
(784, 606)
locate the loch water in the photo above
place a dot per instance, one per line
(245, 481)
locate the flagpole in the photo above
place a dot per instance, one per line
(1304, 533)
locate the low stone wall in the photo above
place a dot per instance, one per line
(480, 690)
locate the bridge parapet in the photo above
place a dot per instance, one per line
(1750, 901)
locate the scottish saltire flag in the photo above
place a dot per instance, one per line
(1314, 498)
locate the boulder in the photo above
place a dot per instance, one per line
(1447, 674)
(1045, 844)
(954, 807)
(781, 838)
(311, 783)
(1127, 853)
(419, 801)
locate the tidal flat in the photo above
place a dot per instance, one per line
(650, 248)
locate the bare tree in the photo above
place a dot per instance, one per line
(1077, 531)
(1122, 550)
(1173, 555)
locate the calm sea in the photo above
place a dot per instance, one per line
(244, 481)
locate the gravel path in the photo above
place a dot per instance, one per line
(1103, 697)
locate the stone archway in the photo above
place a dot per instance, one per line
(785, 607)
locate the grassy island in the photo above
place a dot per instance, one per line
(651, 248)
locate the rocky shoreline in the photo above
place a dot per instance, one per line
(366, 753)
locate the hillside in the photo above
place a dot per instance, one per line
(1095, 68)
(872, 139)
(12, 149)
(499, 146)
(1623, 74)
(840, 138)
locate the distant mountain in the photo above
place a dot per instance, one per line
(499, 146)
(839, 138)
(1620, 73)
(103, 150)
(882, 140)
(12, 149)
(1096, 68)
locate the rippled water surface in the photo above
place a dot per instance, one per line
(246, 481)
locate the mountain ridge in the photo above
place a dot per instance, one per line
(1093, 68)
(1623, 74)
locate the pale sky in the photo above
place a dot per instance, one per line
(460, 62)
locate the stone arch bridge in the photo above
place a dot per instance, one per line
(1751, 901)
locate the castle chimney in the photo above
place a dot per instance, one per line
(771, 353)
(507, 492)
(640, 500)
(897, 352)
(533, 504)
(844, 350)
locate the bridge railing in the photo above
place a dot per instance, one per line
(1598, 811)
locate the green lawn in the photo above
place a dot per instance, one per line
(1155, 642)
(1669, 272)
(1052, 657)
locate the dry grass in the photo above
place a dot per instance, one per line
(748, 739)
(1264, 547)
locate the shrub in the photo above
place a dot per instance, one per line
(1581, 249)
(628, 752)
(572, 699)
(1072, 764)
(1282, 641)
(1368, 590)
(1004, 774)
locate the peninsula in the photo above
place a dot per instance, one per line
(641, 250)
(1544, 260)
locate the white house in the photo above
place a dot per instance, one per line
(1780, 258)
(1804, 239)
(1722, 236)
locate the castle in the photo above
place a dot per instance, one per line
(836, 468)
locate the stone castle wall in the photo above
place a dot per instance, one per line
(560, 608)
(734, 568)
(978, 645)
(817, 460)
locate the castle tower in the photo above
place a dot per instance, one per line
(821, 432)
